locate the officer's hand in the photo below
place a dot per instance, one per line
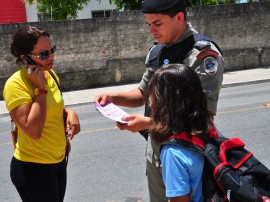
(103, 98)
(136, 122)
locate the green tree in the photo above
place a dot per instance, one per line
(127, 4)
(59, 9)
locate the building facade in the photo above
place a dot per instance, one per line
(94, 9)
(16, 11)
(12, 11)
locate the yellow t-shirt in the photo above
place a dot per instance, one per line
(50, 148)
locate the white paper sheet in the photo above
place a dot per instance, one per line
(112, 111)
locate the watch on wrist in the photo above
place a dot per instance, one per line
(39, 91)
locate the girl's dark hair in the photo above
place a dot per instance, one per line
(177, 101)
(25, 39)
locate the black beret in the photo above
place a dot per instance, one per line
(159, 6)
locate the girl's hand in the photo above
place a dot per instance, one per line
(136, 122)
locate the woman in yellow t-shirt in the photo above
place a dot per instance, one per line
(35, 103)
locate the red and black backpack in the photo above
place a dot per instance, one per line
(231, 173)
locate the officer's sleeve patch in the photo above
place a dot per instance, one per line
(210, 65)
(207, 53)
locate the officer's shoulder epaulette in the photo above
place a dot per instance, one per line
(205, 49)
(202, 44)
(155, 43)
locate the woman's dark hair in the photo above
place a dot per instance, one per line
(177, 101)
(25, 39)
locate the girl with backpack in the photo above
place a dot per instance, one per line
(178, 104)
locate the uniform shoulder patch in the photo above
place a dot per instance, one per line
(207, 53)
(210, 65)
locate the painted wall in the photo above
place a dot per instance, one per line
(31, 12)
(12, 11)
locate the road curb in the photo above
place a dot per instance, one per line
(245, 83)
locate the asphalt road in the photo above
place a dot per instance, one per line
(108, 165)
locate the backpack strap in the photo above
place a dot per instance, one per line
(55, 80)
(193, 142)
(68, 145)
(185, 139)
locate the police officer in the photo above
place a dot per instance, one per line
(178, 42)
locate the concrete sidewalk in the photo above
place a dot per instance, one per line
(230, 79)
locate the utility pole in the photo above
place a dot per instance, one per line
(51, 12)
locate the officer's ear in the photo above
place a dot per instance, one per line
(180, 17)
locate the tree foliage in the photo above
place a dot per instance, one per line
(127, 4)
(59, 9)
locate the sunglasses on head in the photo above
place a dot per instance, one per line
(44, 55)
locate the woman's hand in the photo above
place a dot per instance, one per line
(37, 75)
(72, 123)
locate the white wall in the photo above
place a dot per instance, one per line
(31, 11)
(95, 5)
